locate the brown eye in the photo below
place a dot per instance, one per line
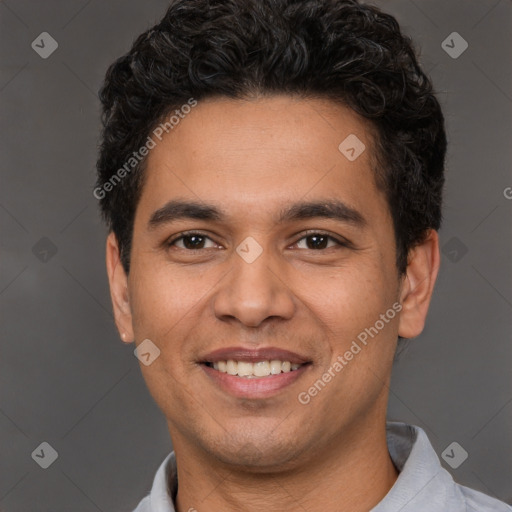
(319, 241)
(190, 241)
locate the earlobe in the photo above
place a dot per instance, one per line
(118, 282)
(418, 285)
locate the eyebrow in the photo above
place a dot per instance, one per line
(329, 209)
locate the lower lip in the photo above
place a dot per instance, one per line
(258, 387)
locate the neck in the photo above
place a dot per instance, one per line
(353, 473)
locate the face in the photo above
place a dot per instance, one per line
(259, 270)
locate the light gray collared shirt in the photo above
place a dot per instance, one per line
(423, 485)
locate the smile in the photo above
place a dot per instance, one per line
(277, 376)
(258, 369)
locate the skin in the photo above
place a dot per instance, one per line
(251, 158)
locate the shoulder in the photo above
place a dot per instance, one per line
(423, 484)
(144, 505)
(479, 502)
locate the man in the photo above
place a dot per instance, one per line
(271, 173)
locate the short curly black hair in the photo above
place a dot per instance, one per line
(340, 50)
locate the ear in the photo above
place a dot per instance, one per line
(418, 285)
(118, 281)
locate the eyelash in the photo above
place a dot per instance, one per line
(341, 243)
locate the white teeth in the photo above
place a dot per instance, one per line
(261, 369)
(253, 370)
(245, 369)
(275, 366)
(231, 367)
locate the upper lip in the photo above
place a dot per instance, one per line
(253, 355)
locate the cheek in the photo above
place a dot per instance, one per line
(357, 334)
(165, 305)
(348, 299)
(161, 298)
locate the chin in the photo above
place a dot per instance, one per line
(257, 455)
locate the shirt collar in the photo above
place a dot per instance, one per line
(421, 482)
(419, 469)
(165, 486)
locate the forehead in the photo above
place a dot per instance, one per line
(254, 155)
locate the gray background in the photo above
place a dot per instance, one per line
(67, 379)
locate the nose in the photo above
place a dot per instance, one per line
(254, 292)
